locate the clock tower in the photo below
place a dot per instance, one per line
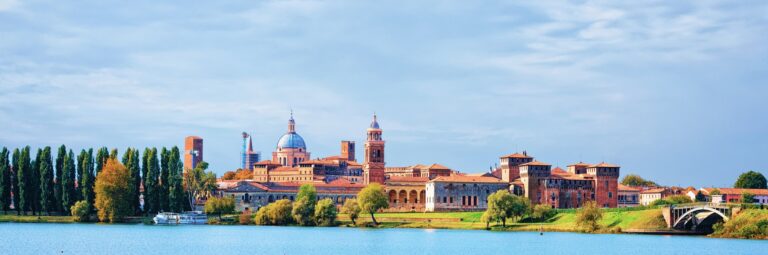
(373, 166)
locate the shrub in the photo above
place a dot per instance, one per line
(80, 211)
(262, 216)
(246, 218)
(352, 209)
(589, 216)
(542, 212)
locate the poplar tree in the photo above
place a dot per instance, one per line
(131, 162)
(79, 167)
(176, 194)
(15, 181)
(87, 179)
(47, 194)
(22, 174)
(5, 181)
(151, 187)
(113, 154)
(145, 178)
(62, 154)
(68, 193)
(34, 183)
(163, 186)
(101, 159)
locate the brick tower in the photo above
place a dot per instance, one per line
(373, 166)
(606, 184)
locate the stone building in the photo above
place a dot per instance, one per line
(628, 196)
(419, 170)
(406, 194)
(461, 192)
(252, 195)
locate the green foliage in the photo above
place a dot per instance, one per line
(751, 180)
(102, 154)
(371, 199)
(747, 198)
(163, 185)
(588, 216)
(47, 191)
(672, 200)
(502, 205)
(219, 206)
(25, 189)
(542, 212)
(57, 188)
(715, 192)
(700, 197)
(176, 197)
(199, 183)
(304, 207)
(87, 178)
(634, 180)
(34, 183)
(15, 180)
(5, 181)
(152, 191)
(113, 192)
(131, 162)
(352, 209)
(276, 213)
(325, 212)
(750, 223)
(68, 195)
(80, 211)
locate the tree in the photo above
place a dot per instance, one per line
(198, 183)
(151, 182)
(304, 207)
(68, 195)
(176, 196)
(747, 198)
(86, 183)
(519, 207)
(589, 216)
(34, 183)
(751, 180)
(228, 175)
(24, 183)
(262, 216)
(325, 212)
(132, 163)
(700, 197)
(113, 191)
(715, 192)
(637, 181)
(5, 181)
(371, 199)
(279, 212)
(542, 212)
(60, 157)
(501, 205)
(80, 211)
(102, 154)
(113, 154)
(163, 184)
(15, 181)
(352, 209)
(47, 191)
(239, 174)
(219, 206)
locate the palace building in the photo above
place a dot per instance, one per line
(417, 187)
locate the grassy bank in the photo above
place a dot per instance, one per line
(750, 223)
(35, 219)
(613, 220)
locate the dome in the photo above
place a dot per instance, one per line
(374, 123)
(291, 140)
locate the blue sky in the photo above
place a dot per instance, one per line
(676, 91)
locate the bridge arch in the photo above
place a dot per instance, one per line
(685, 218)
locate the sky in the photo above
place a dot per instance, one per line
(675, 91)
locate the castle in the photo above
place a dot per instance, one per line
(418, 187)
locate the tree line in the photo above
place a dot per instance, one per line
(42, 185)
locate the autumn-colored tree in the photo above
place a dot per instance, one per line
(113, 191)
(219, 206)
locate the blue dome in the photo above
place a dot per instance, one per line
(291, 140)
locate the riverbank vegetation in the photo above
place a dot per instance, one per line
(750, 223)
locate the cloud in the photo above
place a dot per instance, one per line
(7, 5)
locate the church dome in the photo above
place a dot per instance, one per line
(291, 140)
(374, 123)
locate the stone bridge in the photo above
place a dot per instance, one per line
(697, 216)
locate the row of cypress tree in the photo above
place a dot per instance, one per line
(43, 186)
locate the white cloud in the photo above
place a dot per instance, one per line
(6, 5)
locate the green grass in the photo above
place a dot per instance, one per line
(35, 219)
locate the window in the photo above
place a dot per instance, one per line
(610, 195)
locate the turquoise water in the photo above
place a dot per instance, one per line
(27, 238)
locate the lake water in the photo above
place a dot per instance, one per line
(26, 238)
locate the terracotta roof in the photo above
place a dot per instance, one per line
(317, 162)
(627, 188)
(353, 163)
(603, 164)
(418, 166)
(486, 174)
(580, 164)
(536, 163)
(655, 190)
(438, 166)
(266, 162)
(735, 191)
(285, 168)
(558, 170)
(407, 179)
(464, 178)
(516, 155)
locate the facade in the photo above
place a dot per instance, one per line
(419, 170)
(406, 194)
(648, 196)
(510, 165)
(461, 192)
(193, 151)
(628, 196)
(734, 195)
(252, 195)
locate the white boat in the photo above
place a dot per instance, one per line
(193, 217)
(169, 218)
(165, 218)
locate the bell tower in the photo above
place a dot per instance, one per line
(373, 166)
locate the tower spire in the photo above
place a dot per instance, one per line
(291, 124)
